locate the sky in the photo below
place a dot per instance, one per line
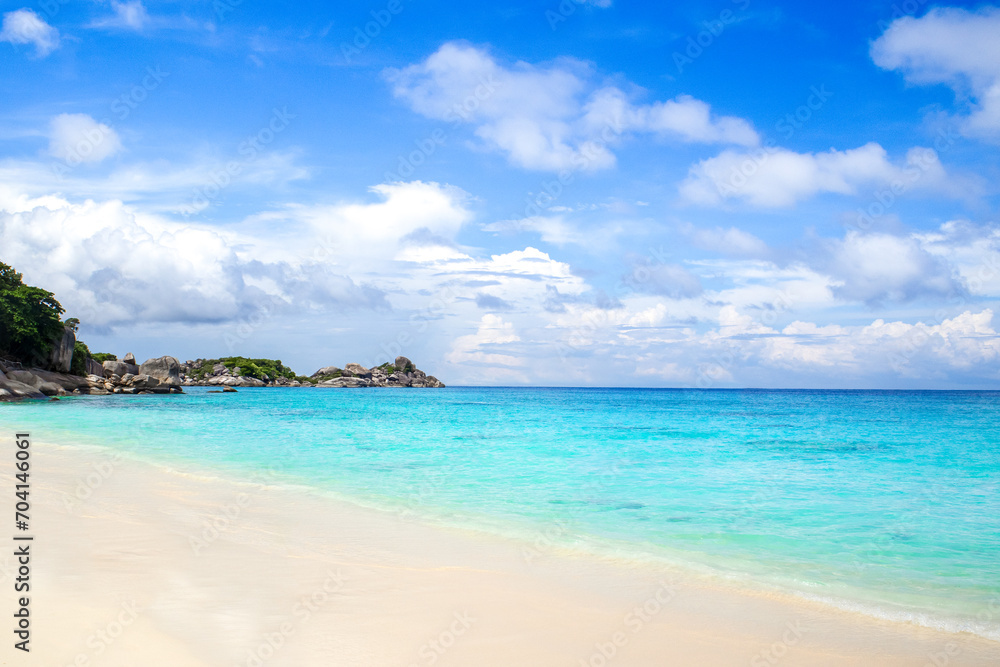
(735, 193)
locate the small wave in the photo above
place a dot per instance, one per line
(982, 629)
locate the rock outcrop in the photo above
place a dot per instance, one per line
(160, 376)
(401, 373)
(357, 371)
(38, 383)
(13, 388)
(61, 357)
(119, 368)
(165, 369)
(94, 368)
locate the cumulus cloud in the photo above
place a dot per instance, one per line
(743, 347)
(779, 177)
(956, 47)
(684, 118)
(111, 266)
(879, 268)
(480, 347)
(919, 350)
(549, 117)
(77, 138)
(412, 217)
(24, 26)
(405, 245)
(972, 251)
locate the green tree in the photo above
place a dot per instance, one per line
(80, 355)
(29, 318)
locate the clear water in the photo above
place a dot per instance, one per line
(887, 502)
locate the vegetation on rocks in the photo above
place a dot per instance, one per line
(80, 355)
(30, 318)
(255, 368)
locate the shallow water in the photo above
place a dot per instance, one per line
(887, 502)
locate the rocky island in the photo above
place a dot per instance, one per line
(243, 372)
(40, 357)
(165, 375)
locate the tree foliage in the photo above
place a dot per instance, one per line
(255, 368)
(29, 318)
(80, 355)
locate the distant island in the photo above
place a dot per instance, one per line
(242, 372)
(41, 357)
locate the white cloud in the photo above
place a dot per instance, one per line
(492, 332)
(522, 278)
(78, 138)
(110, 265)
(361, 231)
(972, 252)
(876, 268)
(550, 228)
(684, 118)
(395, 254)
(24, 26)
(780, 177)
(158, 185)
(558, 230)
(743, 346)
(130, 15)
(952, 46)
(896, 348)
(549, 117)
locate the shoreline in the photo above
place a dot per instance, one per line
(146, 532)
(552, 539)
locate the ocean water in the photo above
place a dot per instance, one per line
(887, 502)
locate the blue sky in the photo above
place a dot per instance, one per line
(738, 193)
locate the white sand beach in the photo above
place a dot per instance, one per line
(134, 575)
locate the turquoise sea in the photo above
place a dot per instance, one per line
(886, 502)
